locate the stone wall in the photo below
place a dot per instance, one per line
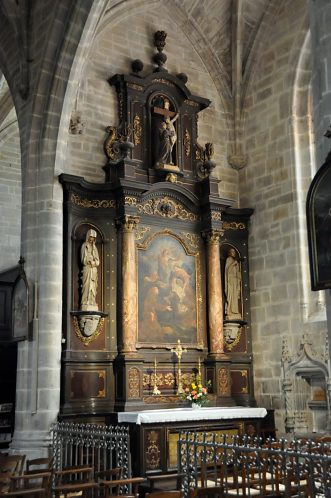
(274, 184)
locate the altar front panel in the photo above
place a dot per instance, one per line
(156, 442)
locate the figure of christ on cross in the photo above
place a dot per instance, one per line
(166, 134)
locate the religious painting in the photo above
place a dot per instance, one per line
(167, 296)
(319, 228)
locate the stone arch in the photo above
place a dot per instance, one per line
(313, 304)
(10, 179)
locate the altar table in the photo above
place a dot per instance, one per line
(154, 433)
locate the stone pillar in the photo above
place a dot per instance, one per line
(129, 284)
(39, 359)
(214, 291)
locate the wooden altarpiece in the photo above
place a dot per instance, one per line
(162, 239)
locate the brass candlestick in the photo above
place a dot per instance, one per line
(156, 390)
(178, 350)
(199, 371)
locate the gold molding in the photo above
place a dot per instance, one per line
(137, 130)
(187, 143)
(95, 203)
(87, 340)
(134, 86)
(233, 225)
(149, 400)
(163, 81)
(166, 232)
(191, 103)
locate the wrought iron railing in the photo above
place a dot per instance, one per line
(248, 466)
(99, 446)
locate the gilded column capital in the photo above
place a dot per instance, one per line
(213, 236)
(128, 222)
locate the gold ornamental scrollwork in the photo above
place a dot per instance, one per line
(223, 382)
(94, 203)
(153, 450)
(233, 225)
(141, 232)
(216, 216)
(187, 143)
(137, 130)
(193, 239)
(86, 340)
(134, 383)
(167, 208)
(130, 201)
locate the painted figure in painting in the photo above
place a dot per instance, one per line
(90, 261)
(167, 297)
(232, 281)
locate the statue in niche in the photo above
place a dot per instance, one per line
(232, 284)
(90, 261)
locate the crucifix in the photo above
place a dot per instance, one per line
(164, 130)
(178, 350)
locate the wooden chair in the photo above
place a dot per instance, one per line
(73, 480)
(39, 465)
(32, 485)
(164, 482)
(5, 481)
(12, 463)
(119, 484)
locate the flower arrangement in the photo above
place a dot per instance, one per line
(197, 394)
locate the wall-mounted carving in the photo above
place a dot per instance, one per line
(304, 374)
(134, 383)
(167, 208)
(95, 203)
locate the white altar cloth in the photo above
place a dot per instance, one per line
(188, 414)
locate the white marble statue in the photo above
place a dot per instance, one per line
(90, 261)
